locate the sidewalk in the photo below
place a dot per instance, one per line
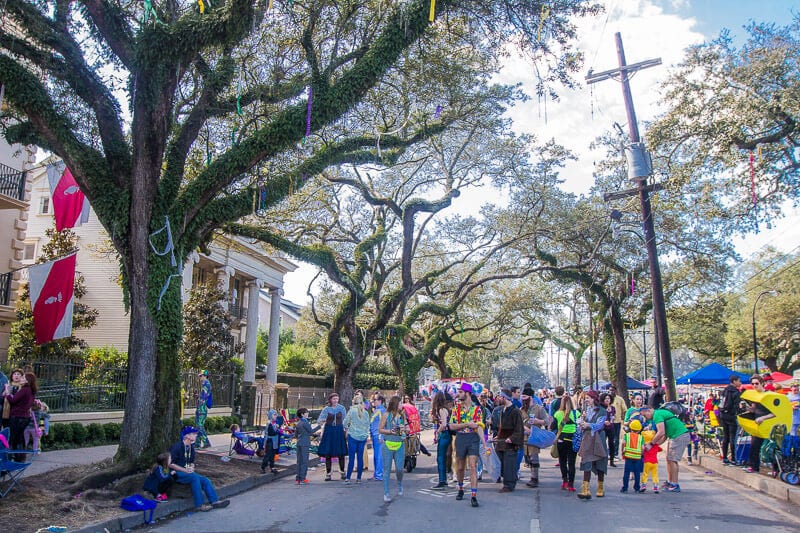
(761, 482)
(47, 461)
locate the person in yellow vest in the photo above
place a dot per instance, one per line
(632, 448)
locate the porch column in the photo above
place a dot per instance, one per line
(274, 334)
(251, 335)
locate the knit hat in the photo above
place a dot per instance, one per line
(528, 392)
(635, 425)
(187, 430)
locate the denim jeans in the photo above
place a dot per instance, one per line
(199, 484)
(441, 455)
(399, 458)
(635, 467)
(377, 454)
(355, 450)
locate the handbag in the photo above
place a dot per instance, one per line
(541, 438)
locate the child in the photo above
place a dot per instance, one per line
(272, 436)
(303, 432)
(160, 480)
(650, 461)
(632, 448)
(236, 431)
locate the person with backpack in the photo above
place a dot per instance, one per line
(669, 426)
(728, 409)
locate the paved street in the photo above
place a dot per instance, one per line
(707, 503)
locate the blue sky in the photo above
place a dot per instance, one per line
(713, 15)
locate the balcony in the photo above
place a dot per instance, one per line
(237, 311)
(5, 288)
(12, 188)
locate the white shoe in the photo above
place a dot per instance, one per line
(400, 490)
(387, 498)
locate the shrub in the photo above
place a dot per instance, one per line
(187, 422)
(79, 433)
(63, 434)
(96, 434)
(113, 431)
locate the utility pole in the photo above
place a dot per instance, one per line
(639, 168)
(644, 352)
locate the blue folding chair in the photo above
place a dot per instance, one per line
(11, 470)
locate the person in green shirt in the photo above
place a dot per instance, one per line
(668, 426)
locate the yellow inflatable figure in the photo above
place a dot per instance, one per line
(777, 404)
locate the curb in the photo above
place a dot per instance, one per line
(164, 510)
(772, 487)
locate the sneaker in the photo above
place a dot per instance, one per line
(297, 481)
(387, 498)
(643, 489)
(655, 489)
(564, 485)
(221, 504)
(162, 498)
(346, 481)
(726, 462)
(306, 482)
(474, 501)
(327, 477)
(623, 490)
(441, 485)
(690, 461)
(750, 470)
(570, 488)
(460, 495)
(400, 490)
(358, 482)
(205, 508)
(674, 488)
(274, 470)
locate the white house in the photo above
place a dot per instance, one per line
(242, 269)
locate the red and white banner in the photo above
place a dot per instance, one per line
(51, 288)
(70, 206)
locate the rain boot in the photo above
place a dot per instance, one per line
(584, 494)
(600, 490)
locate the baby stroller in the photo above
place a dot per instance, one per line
(411, 440)
(788, 459)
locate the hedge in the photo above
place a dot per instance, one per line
(75, 435)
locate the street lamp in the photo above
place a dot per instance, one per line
(755, 341)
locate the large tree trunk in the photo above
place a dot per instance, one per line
(620, 352)
(343, 383)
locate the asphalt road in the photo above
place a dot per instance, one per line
(707, 503)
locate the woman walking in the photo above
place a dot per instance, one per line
(333, 443)
(564, 424)
(356, 424)
(593, 452)
(441, 407)
(393, 428)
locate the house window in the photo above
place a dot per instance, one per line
(29, 254)
(44, 205)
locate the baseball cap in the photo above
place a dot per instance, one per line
(189, 429)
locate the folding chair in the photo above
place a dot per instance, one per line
(11, 470)
(246, 446)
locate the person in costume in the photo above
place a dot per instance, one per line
(632, 448)
(650, 458)
(333, 443)
(201, 413)
(272, 442)
(466, 421)
(593, 451)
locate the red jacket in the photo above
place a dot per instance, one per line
(21, 402)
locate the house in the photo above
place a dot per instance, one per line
(241, 268)
(15, 161)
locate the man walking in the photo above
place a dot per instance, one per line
(466, 421)
(201, 413)
(728, 409)
(668, 426)
(510, 438)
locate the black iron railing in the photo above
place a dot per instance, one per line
(5, 288)
(69, 387)
(12, 182)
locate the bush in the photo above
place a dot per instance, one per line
(113, 431)
(96, 434)
(79, 433)
(187, 422)
(63, 434)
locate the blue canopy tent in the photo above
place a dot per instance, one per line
(713, 374)
(636, 385)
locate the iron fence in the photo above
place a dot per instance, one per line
(69, 386)
(12, 182)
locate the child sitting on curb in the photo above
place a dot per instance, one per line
(160, 480)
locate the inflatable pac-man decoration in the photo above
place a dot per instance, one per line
(777, 404)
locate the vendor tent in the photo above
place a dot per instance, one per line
(637, 385)
(713, 374)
